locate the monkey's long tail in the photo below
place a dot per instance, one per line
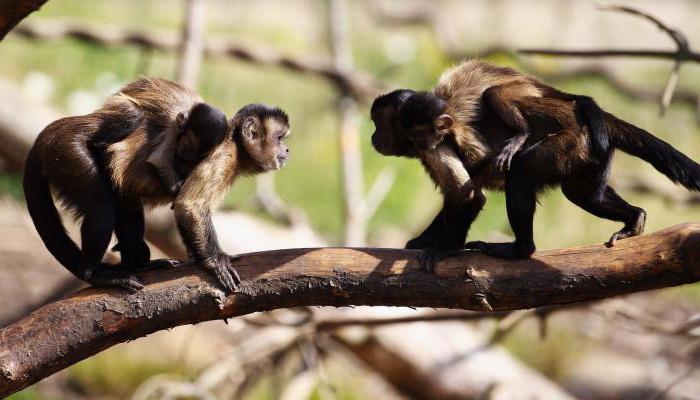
(606, 130)
(45, 216)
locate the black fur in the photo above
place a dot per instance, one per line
(209, 123)
(421, 109)
(392, 99)
(46, 217)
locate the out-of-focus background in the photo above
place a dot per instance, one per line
(323, 61)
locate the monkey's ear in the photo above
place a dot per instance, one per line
(249, 128)
(443, 123)
(180, 120)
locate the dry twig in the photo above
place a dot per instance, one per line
(359, 85)
(679, 56)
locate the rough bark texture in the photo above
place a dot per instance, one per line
(11, 12)
(65, 332)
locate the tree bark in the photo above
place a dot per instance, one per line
(65, 332)
(11, 12)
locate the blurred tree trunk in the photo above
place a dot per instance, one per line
(351, 157)
(192, 47)
(11, 12)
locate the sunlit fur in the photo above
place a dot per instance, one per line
(462, 87)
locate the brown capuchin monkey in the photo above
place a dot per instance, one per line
(488, 127)
(97, 165)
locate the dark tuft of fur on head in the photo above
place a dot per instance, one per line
(392, 99)
(263, 111)
(421, 109)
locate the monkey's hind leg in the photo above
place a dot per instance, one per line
(129, 227)
(606, 203)
(521, 199)
(96, 232)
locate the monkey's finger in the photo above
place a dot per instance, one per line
(427, 260)
(131, 284)
(613, 240)
(225, 278)
(234, 274)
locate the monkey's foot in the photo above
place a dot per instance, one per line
(628, 232)
(220, 266)
(418, 243)
(102, 278)
(510, 250)
(621, 234)
(504, 158)
(162, 263)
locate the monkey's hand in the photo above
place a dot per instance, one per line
(220, 266)
(504, 158)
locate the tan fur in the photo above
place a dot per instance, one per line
(128, 168)
(154, 95)
(275, 128)
(447, 171)
(463, 86)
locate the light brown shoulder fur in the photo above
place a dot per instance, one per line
(463, 86)
(155, 96)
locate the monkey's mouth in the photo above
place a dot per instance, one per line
(281, 162)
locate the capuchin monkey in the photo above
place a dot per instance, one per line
(97, 165)
(488, 127)
(186, 142)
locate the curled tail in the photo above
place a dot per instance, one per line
(608, 130)
(46, 218)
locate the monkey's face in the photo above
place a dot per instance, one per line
(389, 138)
(264, 141)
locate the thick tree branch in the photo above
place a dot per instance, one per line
(11, 12)
(65, 332)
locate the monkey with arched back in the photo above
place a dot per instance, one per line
(97, 165)
(488, 127)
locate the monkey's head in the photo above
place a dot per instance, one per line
(388, 138)
(261, 130)
(423, 119)
(200, 130)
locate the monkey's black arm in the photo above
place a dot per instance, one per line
(462, 203)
